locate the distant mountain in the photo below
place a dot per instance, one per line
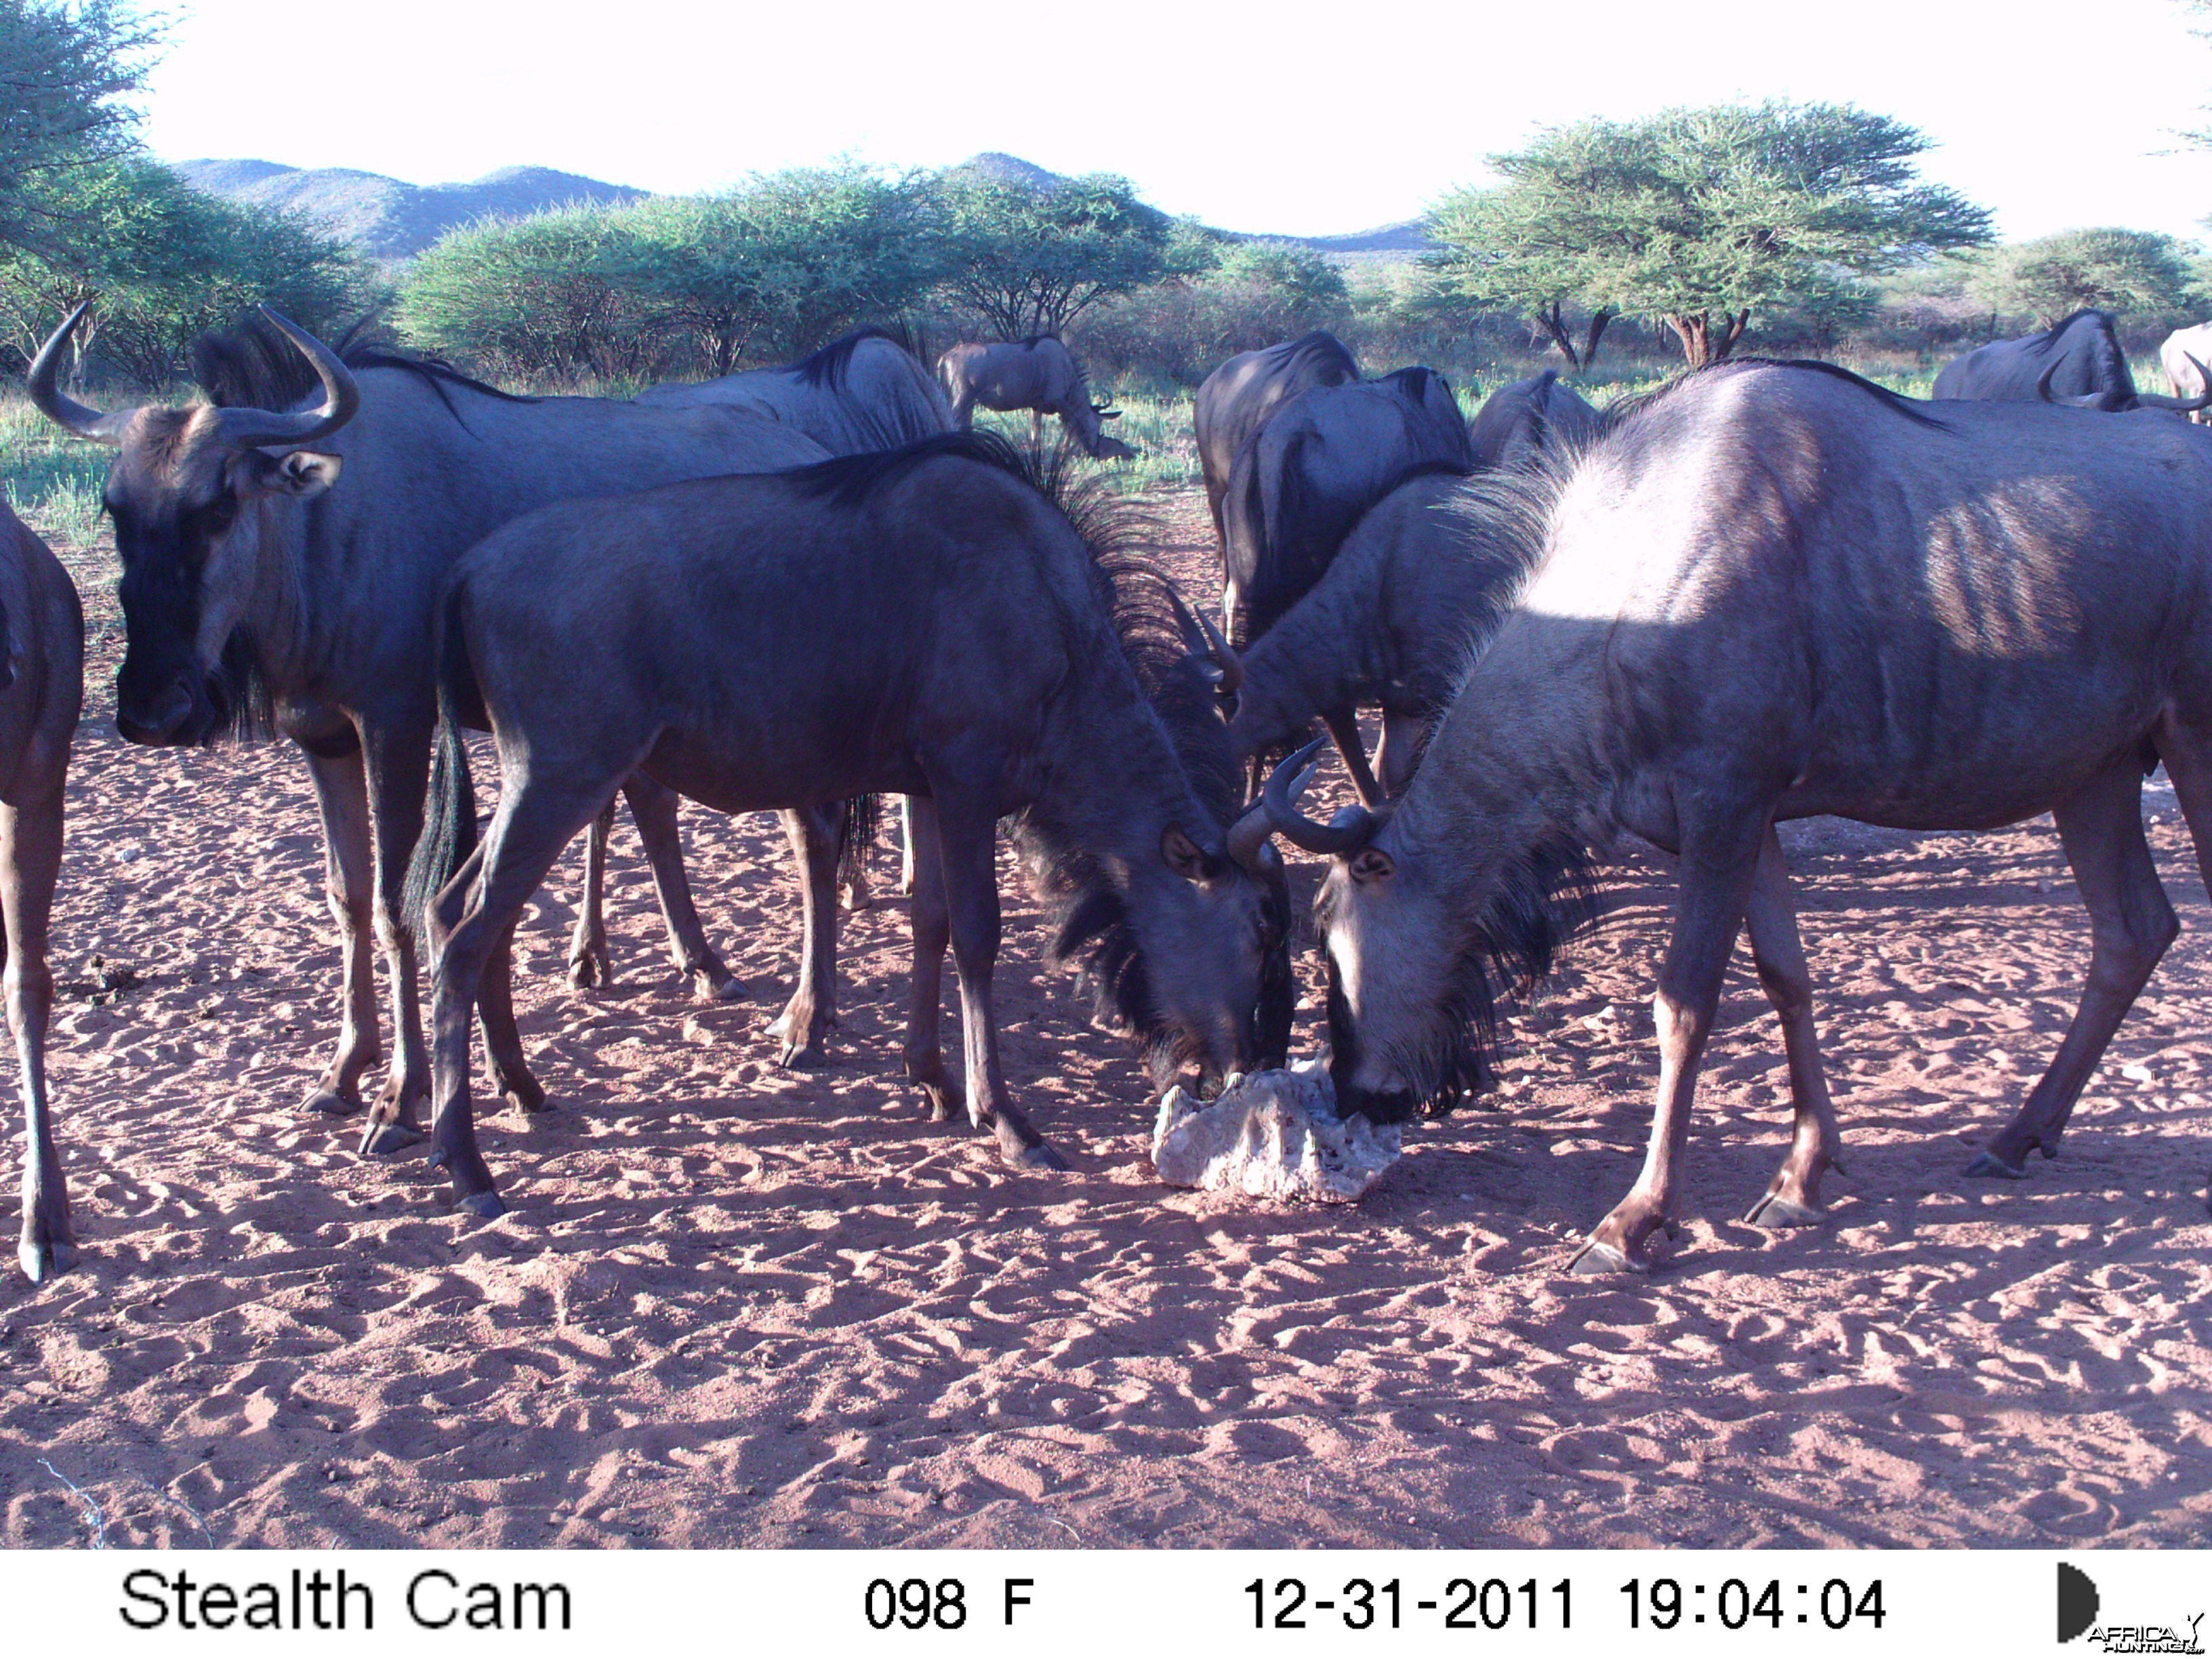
(393, 220)
(386, 217)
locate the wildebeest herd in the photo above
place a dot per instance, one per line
(1769, 591)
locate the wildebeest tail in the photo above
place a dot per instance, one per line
(864, 816)
(449, 817)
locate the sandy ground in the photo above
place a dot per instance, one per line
(738, 1306)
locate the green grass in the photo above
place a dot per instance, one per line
(52, 480)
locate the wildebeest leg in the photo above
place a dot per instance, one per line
(341, 797)
(589, 964)
(30, 855)
(2188, 758)
(968, 844)
(1793, 1198)
(510, 1069)
(1343, 725)
(907, 865)
(931, 924)
(1715, 875)
(470, 921)
(398, 759)
(652, 809)
(806, 1019)
(2101, 826)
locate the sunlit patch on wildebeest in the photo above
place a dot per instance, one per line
(1039, 374)
(41, 689)
(282, 547)
(929, 623)
(1777, 591)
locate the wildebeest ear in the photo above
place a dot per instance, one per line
(1371, 864)
(301, 473)
(1183, 855)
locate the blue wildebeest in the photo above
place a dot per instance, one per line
(928, 622)
(1235, 401)
(42, 687)
(1039, 374)
(255, 575)
(1775, 590)
(863, 392)
(1527, 419)
(1304, 479)
(2183, 356)
(2078, 361)
(1386, 624)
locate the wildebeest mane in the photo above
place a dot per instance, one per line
(253, 365)
(1320, 348)
(828, 366)
(1897, 403)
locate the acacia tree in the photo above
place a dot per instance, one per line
(65, 71)
(1698, 218)
(2112, 269)
(1033, 256)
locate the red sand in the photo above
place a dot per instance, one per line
(734, 1305)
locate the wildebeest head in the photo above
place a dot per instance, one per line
(184, 492)
(2119, 403)
(1421, 944)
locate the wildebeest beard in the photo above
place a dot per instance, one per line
(1538, 905)
(161, 616)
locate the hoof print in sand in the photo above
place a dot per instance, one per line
(1273, 1134)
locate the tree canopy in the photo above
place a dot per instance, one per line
(65, 73)
(1031, 257)
(1698, 218)
(2112, 269)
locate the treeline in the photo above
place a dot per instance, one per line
(1800, 228)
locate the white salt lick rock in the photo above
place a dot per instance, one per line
(1273, 1134)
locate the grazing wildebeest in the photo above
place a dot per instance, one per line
(254, 577)
(1235, 401)
(2080, 360)
(1386, 624)
(706, 633)
(1301, 482)
(1519, 422)
(1775, 591)
(42, 687)
(2183, 356)
(864, 392)
(1039, 374)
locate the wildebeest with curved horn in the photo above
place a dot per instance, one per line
(1300, 483)
(863, 392)
(1235, 401)
(705, 633)
(253, 573)
(1039, 375)
(1386, 624)
(2078, 361)
(1521, 422)
(41, 689)
(1775, 591)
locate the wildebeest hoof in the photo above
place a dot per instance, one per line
(856, 899)
(798, 1057)
(485, 1206)
(330, 1103)
(1039, 1156)
(1776, 1210)
(43, 1259)
(1598, 1258)
(1989, 1163)
(708, 987)
(381, 1139)
(587, 971)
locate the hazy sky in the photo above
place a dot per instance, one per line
(1276, 117)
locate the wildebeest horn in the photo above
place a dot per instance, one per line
(1199, 637)
(58, 405)
(262, 428)
(1351, 829)
(1248, 838)
(2185, 405)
